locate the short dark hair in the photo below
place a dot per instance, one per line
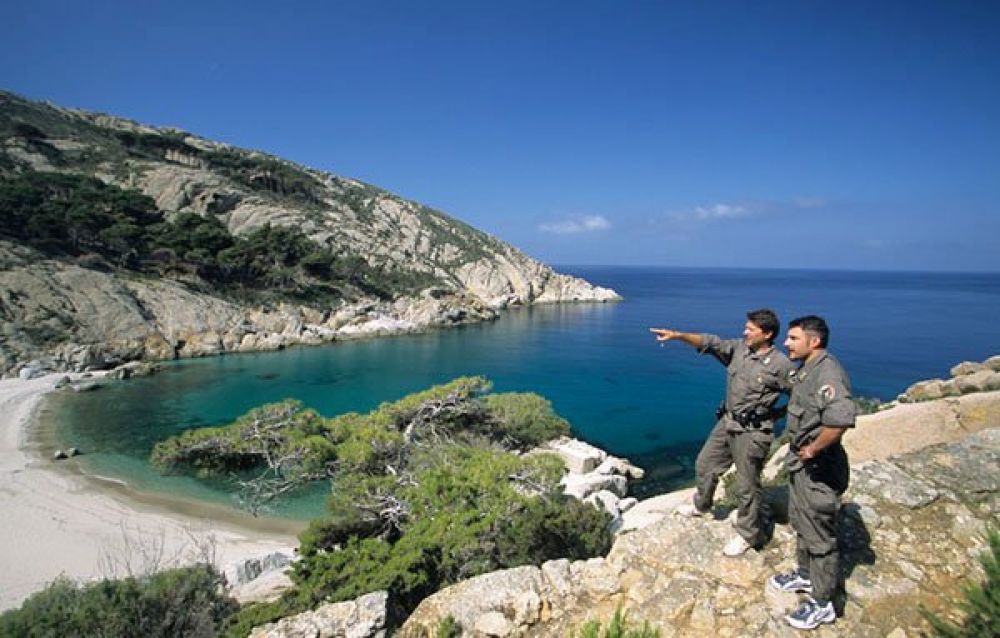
(813, 325)
(766, 320)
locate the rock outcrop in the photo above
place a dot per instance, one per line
(966, 378)
(912, 530)
(77, 317)
(364, 617)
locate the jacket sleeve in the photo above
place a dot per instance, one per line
(836, 407)
(721, 349)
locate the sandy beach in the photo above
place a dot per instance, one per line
(57, 522)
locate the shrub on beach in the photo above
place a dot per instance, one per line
(176, 602)
(426, 491)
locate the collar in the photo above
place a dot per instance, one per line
(809, 366)
(761, 353)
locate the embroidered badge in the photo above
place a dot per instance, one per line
(828, 392)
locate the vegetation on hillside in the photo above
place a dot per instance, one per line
(426, 491)
(73, 216)
(618, 627)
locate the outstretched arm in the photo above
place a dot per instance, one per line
(693, 339)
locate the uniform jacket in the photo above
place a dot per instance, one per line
(821, 395)
(754, 381)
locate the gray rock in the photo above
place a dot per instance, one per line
(974, 381)
(605, 500)
(967, 367)
(246, 570)
(28, 373)
(993, 363)
(886, 481)
(363, 617)
(581, 486)
(626, 504)
(59, 455)
(579, 457)
(493, 623)
(925, 390)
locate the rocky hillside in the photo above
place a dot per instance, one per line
(73, 309)
(912, 527)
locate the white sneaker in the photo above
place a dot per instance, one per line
(688, 509)
(736, 546)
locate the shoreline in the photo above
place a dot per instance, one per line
(60, 521)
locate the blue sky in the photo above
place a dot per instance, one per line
(861, 135)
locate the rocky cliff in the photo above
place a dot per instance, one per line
(67, 313)
(912, 528)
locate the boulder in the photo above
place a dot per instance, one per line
(974, 381)
(580, 486)
(993, 363)
(364, 617)
(926, 390)
(579, 457)
(605, 500)
(246, 570)
(615, 465)
(28, 373)
(967, 367)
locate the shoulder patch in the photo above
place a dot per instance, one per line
(828, 392)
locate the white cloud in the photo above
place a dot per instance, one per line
(714, 212)
(572, 226)
(721, 211)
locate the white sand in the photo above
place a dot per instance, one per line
(53, 522)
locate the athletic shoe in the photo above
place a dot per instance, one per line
(792, 582)
(811, 614)
(736, 546)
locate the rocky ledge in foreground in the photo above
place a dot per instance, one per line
(913, 529)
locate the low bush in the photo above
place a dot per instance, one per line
(176, 602)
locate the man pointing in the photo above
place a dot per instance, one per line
(757, 375)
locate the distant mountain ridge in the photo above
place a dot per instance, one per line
(383, 263)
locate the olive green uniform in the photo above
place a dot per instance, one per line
(821, 396)
(743, 434)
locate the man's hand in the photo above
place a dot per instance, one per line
(663, 334)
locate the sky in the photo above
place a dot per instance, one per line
(798, 134)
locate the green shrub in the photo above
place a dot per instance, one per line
(448, 628)
(527, 419)
(175, 602)
(425, 491)
(618, 628)
(981, 607)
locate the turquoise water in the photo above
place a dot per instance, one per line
(597, 363)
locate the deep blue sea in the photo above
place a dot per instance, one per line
(597, 363)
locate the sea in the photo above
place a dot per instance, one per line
(597, 363)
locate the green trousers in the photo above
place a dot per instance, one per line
(813, 508)
(748, 451)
